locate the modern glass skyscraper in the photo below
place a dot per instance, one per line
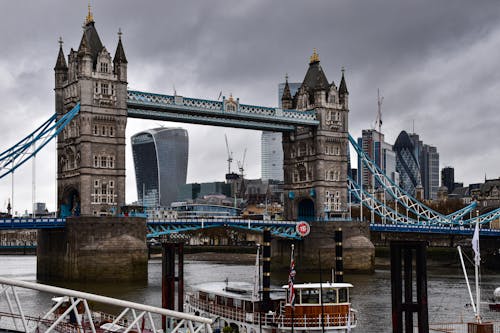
(429, 171)
(160, 160)
(373, 144)
(271, 145)
(428, 160)
(407, 164)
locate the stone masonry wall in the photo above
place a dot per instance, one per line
(94, 249)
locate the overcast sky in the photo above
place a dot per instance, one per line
(435, 62)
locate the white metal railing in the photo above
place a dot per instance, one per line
(134, 316)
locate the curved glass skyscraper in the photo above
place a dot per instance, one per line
(407, 163)
(160, 161)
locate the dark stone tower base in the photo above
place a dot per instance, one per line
(358, 250)
(94, 249)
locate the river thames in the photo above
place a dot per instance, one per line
(371, 295)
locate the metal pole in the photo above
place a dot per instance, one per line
(33, 182)
(466, 278)
(361, 191)
(12, 192)
(321, 294)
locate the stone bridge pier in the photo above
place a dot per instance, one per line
(359, 252)
(94, 249)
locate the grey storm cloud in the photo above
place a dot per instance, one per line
(435, 63)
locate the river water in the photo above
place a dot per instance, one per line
(371, 296)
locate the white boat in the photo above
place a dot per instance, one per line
(235, 304)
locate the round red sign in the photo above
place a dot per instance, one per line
(303, 228)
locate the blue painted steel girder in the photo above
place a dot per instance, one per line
(181, 109)
(205, 120)
(451, 230)
(279, 229)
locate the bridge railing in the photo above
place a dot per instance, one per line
(75, 304)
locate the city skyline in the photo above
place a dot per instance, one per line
(436, 69)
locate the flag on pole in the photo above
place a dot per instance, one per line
(475, 245)
(291, 278)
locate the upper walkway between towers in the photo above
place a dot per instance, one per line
(228, 112)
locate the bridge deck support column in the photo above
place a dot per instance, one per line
(94, 249)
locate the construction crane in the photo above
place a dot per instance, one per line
(241, 168)
(241, 164)
(229, 156)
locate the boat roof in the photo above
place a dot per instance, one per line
(237, 290)
(320, 285)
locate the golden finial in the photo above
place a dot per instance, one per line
(314, 58)
(90, 17)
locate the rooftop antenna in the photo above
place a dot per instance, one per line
(380, 99)
(175, 91)
(229, 156)
(413, 124)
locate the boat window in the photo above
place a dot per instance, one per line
(330, 296)
(211, 297)
(310, 296)
(237, 303)
(343, 295)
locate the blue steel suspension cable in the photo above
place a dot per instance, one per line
(415, 206)
(42, 135)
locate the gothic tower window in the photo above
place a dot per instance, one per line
(111, 131)
(104, 67)
(104, 89)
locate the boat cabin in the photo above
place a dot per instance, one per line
(315, 293)
(314, 300)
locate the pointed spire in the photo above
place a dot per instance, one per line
(120, 53)
(314, 58)
(343, 85)
(90, 17)
(286, 91)
(61, 60)
(84, 48)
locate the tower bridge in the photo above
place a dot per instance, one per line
(93, 104)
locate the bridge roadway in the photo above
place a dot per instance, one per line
(283, 229)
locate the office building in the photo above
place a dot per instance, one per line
(271, 144)
(428, 160)
(407, 164)
(195, 191)
(448, 178)
(160, 161)
(374, 146)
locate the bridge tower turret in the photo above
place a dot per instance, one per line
(91, 149)
(316, 159)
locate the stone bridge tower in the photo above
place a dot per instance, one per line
(91, 149)
(316, 159)
(95, 244)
